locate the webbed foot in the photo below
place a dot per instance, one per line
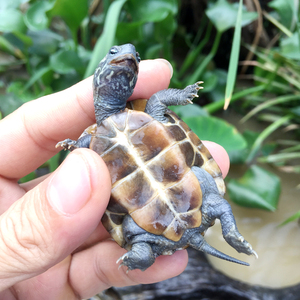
(237, 241)
(139, 257)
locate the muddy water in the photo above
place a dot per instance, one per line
(278, 248)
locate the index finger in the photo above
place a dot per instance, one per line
(30, 133)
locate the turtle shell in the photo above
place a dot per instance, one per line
(150, 167)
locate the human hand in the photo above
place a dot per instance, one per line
(52, 243)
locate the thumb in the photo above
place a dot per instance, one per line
(54, 218)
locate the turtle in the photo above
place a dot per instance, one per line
(167, 190)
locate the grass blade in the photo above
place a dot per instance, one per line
(264, 134)
(215, 106)
(277, 24)
(107, 38)
(268, 104)
(234, 57)
(292, 218)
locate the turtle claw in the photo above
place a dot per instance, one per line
(122, 260)
(139, 257)
(237, 241)
(67, 144)
(254, 254)
(197, 85)
(190, 92)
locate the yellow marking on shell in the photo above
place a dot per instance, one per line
(123, 140)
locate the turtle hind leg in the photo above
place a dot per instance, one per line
(214, 206)
(158, 103)
(140, 257)
(198, 242)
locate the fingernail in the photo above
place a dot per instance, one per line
(168, 64)
(70, 188)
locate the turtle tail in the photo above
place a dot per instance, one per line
(198, 242)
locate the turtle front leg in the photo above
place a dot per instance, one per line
(82, 142)
(215, 207)
(158, 103)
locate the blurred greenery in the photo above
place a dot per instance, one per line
(47, 46)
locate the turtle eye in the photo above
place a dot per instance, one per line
(138, 57)
(113, 51)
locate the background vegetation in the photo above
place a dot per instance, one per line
(46, 46)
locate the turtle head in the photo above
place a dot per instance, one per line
(114, 80)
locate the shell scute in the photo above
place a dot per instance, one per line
(198, 160)
(175, 230)
(134, 192)
(189, 152)
(186, 195)
(115, 158)
(176, 133)
(194, 138)
(119, 120)
(106, 130)
(155, 217)
(149, 141)
(137, 120)
(168, 167)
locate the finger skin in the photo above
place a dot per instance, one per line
(35, 235)
(95, 269)
(220, 156)
(36, 127)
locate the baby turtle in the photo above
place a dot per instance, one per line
(166, 188)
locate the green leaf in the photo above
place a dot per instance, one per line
(35, 17)
(54, 162)
(223, 15)
(216, 130)
(7, 4)
(66, 61)
(45, 42)
(132, 31)
(210, 79)
(217, 92)
(165, 29)
(292, 218)
(106, 40)
(151, 10)
(11, 20)
(290, 47)
(258, 188)
(189, 111)
(36, 76)
(9, 102)
(284, 10)
(72, 12)
(6, 46)
(28, 177)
